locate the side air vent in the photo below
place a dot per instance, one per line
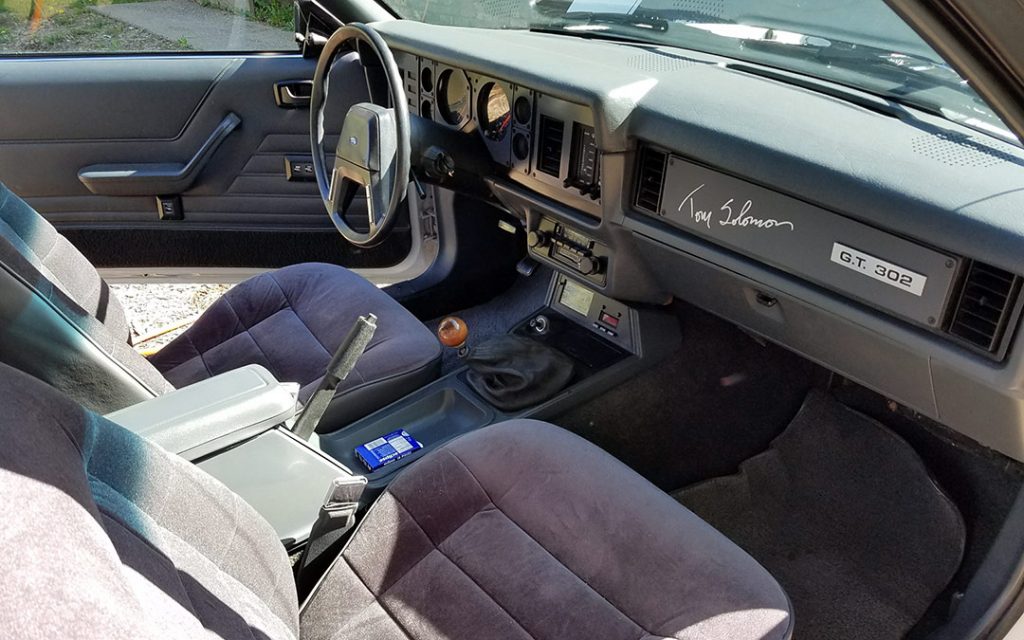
(985, 307)
(549, 152)
(649, 180)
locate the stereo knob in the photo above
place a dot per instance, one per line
(537, 239)
(589, 265)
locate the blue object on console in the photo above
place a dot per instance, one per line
(387, 449)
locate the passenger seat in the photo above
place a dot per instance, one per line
(520, 530)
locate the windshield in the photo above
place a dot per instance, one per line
(863, 44)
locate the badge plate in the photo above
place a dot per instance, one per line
(881, 270)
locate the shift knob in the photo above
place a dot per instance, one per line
(453, 332)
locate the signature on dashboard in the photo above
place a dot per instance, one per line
(728, 216)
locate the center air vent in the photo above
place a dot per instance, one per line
(986, 304)
(649, 180)
(549, 153)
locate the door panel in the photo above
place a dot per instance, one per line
(58, 115)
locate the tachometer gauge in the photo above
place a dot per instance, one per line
(494, 111)
(453, 97)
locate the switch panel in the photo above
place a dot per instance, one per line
(299, 169)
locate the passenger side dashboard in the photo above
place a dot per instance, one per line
(883, 244)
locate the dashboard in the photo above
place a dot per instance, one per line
(885, 244)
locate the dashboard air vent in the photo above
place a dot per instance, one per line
(986, 303)
(649, 180)
(549, 153)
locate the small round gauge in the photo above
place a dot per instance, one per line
(427, 78)
(453, 97)
(520, 146)
(524, 110)
(494, 111)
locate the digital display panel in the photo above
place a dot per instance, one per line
(576, 297)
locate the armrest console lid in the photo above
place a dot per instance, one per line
(213, 414)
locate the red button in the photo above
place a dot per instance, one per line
(609, 320)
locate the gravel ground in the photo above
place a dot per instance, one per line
(151, 307)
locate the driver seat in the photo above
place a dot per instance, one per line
(60, 322)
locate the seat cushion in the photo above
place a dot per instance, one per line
(523, 530)
(291, 321)
(109, 536)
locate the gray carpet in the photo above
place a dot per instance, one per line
(496, 316)
(846, 517)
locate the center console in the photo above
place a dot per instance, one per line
(608, 342)
(233, 425)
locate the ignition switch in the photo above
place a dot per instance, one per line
(438, 164)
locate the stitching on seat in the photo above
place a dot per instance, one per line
(222, 575)
(292, 307)
(437, 547)
(177, 572)
(546, 550)
(376, 599)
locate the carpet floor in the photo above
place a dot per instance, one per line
(847, 518)
(721, 398)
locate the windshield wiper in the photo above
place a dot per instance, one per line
(590, 21)
(912, 74)
(913, 71)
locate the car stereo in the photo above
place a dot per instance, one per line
(566, 246)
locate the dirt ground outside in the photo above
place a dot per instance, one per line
(75, 26)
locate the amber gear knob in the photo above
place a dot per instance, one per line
(453, 332)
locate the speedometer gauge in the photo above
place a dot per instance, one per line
(495, 112)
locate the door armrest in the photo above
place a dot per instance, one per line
(213, 414)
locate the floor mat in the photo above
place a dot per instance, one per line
(496, 316)
(846, 517)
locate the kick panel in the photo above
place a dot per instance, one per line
(883, 270)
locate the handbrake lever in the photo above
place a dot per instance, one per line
(342, 364)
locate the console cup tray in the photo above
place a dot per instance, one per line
(434, 415)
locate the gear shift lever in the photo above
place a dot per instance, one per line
(453, 332)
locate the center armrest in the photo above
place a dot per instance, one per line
(213, 414)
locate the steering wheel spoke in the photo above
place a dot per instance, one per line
(343, 190)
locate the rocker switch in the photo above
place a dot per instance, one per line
(299, 169)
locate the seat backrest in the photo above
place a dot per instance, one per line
(108, 536)
(59, 320)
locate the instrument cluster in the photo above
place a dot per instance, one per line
(547, 143)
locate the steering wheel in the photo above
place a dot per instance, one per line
(373, 152)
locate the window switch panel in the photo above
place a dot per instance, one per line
(299, 169)
(169, 208)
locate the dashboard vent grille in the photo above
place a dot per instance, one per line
(649, 180)
(985, 306)
(549, 154)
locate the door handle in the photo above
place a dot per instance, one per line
(293, 94)
(156, 178)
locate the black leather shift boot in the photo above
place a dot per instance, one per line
(513, 373)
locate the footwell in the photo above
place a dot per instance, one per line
(846, 517)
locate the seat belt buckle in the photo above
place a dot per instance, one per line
(336, 518)
(344, 493)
